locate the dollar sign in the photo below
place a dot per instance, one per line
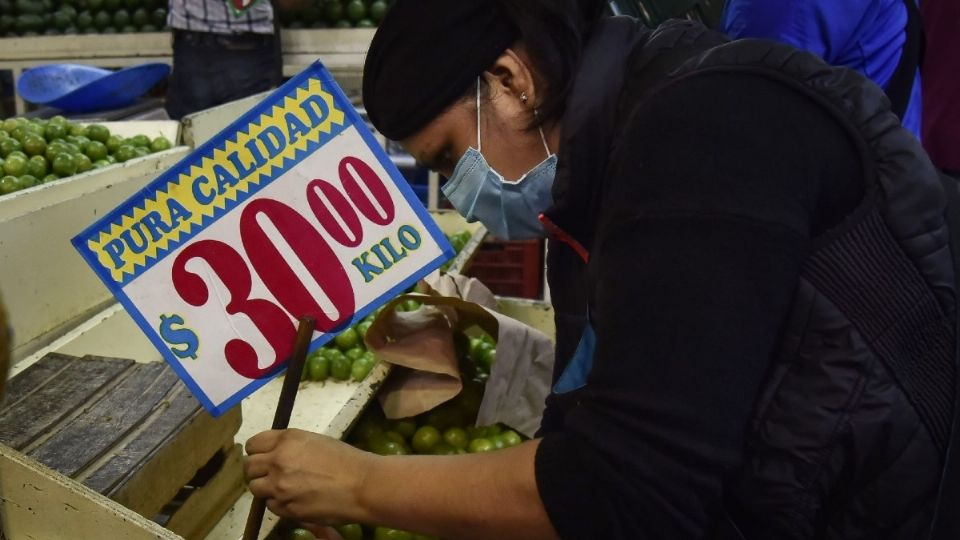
(179, 336)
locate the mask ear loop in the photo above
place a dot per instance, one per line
(479, 147)
(543, 138)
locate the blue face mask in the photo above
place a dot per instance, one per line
(509, 210)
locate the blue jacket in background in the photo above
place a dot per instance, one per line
(865, 35)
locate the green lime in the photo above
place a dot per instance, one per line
(444, 449)
(381, 444)
(102, 20)
(359, 370)
(362, 329)
(498, 442)
(121, 18)
(8, 146)
(411, 305)
(318, 367)
(76, 130)
(365, 23)
(343, 23)
(10, 124)
(50, 178)
(140, 140)
(28, 181)
(17, 153)
(38, 166)
(147, 28)
(487, 358)
(141, 151)
(71, 148)
(158, 17)
(425, 439)
(160, 144)
(84, 20)
(350, 531)
(300, 534)
(34, 145)
(54, 131)
(480, 445)
(140, 17)
(101, 163)
(383, 533)
(355, 353)
(64, 165)
(113, 143)
(18, 133)
(511, 438)
(406, 427)
(347, 339)
(83, 162)
(367, 429)
(9, 184)
(456, 437)
(125, 153)
(395, 436)
(333, 11)
(95, 150)
(340, 366)
(378, 10)
(112, 160)
(96, 132)
(15, 165)
(356, 10)
(445, 416)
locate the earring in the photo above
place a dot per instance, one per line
(523, 97)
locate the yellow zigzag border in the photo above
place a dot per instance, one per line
(181, 189)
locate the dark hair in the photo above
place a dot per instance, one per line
(553, 32)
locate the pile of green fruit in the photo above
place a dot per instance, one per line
(447, 429)
(39, 151)
(52, 17)
(458, 241)
(337, 14)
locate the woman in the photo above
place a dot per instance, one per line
(749, 266)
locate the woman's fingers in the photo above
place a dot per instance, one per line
(262, 442)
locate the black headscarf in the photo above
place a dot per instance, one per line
(425, 56)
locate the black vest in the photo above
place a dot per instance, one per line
(849, 434)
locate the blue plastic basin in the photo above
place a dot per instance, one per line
(78, 88)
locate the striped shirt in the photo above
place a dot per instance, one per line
(216, 16)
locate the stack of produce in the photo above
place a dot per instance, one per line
(337, 14)
(52, 17)
(41, 151)
(447, 429)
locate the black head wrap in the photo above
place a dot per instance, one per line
(425, 56)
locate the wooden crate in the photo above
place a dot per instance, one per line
(129, 431)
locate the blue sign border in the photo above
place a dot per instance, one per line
(315, 70)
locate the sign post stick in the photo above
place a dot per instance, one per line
(281, 418)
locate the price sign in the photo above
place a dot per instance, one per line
(292, 210)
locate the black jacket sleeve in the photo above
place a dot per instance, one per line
(715, 189)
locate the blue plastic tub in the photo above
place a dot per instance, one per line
(77, 88)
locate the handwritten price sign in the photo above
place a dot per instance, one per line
(292, 210)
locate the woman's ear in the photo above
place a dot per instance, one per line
(512, 75)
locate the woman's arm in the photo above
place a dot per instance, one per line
(317, 479)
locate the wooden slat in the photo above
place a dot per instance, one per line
(98, 428)
(42, 504)
(35, 376)
(167, 419)
(171, 449)
(24, 421)
(200, 512)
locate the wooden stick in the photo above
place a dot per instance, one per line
(281, 418)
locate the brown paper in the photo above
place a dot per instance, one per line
(421, 344)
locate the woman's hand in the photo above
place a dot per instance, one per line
(306, 477)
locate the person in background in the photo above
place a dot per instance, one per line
(221, 56)
(941, 83)
(868, 36)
